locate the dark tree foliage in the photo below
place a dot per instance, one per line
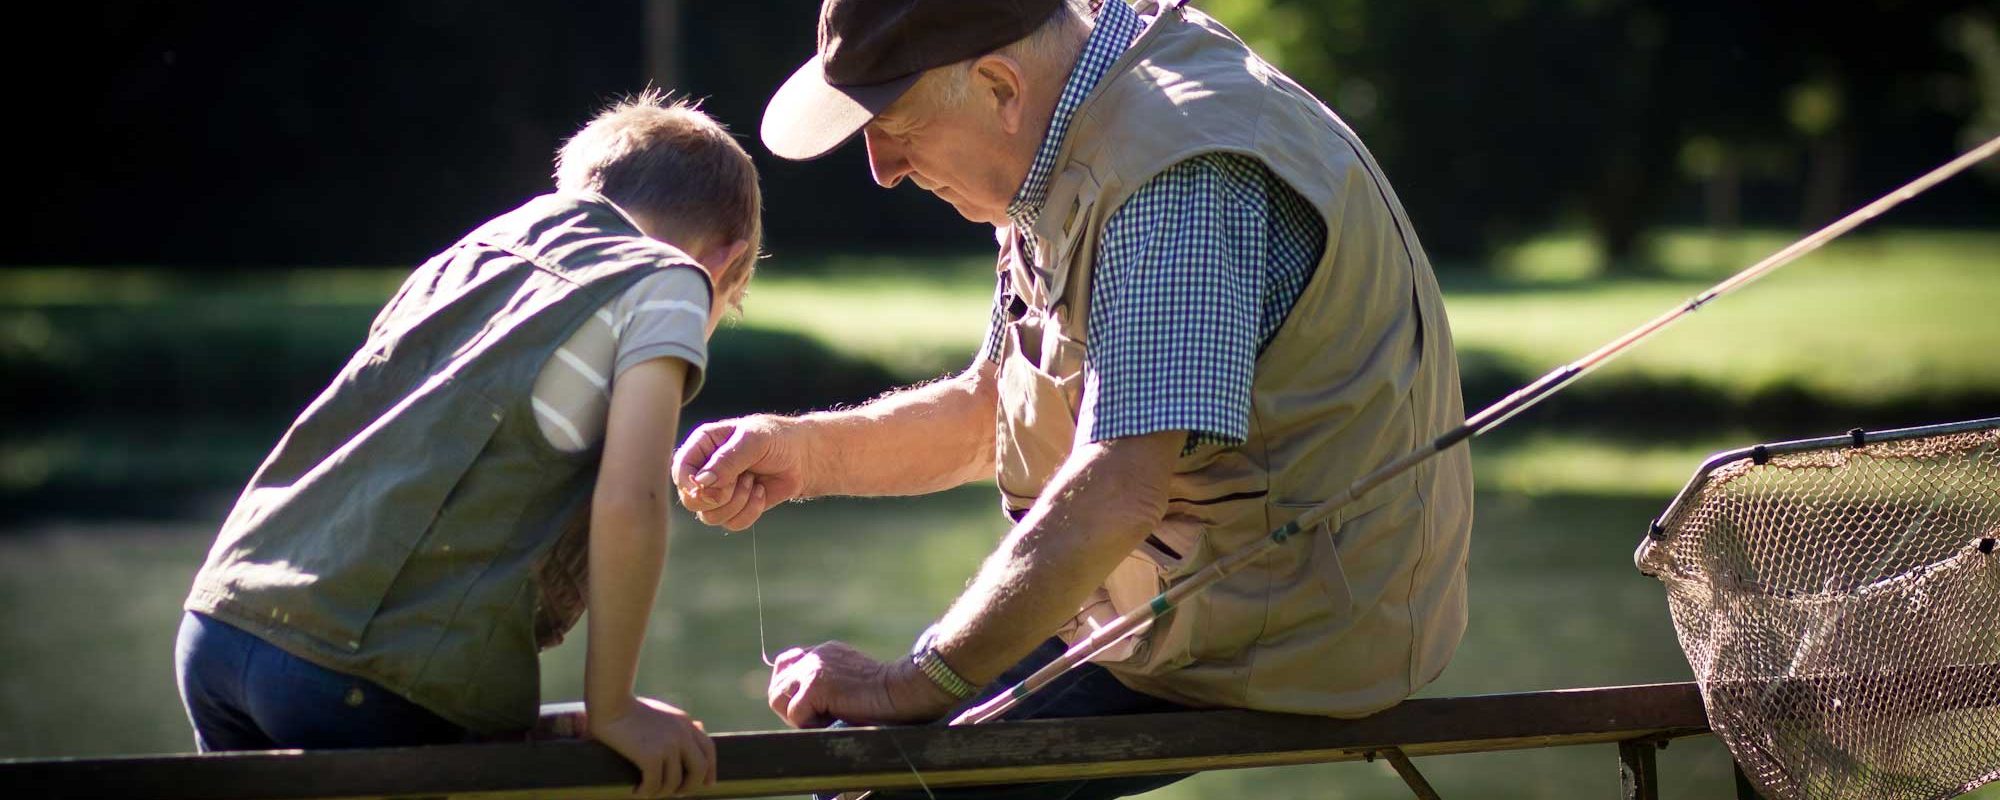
(1502, 118)
(237, 133)
(228, 133)
(284, 133)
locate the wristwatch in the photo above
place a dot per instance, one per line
(933, 667)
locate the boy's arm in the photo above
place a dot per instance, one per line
(628, 548)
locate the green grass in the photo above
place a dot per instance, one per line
(1889, 317)
(1892, 317)
(1544, 462)
(918, 316)
(140, 287)
(1874, 318)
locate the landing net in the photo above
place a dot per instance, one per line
(1839, 601)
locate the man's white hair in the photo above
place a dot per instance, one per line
(950, 86)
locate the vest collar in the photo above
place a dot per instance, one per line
(1117, 27)
(1072, 181)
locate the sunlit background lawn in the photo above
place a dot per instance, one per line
(1888, 329)
(1871, 319)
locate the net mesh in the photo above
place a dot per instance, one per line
(1840, 607)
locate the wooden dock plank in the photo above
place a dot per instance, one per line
(794, 762)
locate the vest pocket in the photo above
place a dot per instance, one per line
(1132, 584)
(1159, 561)
(1316, 583)
(1064, 228)
(1036, 424)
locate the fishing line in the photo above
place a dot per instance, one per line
(906, 762)
(757, 577)
(764, 654)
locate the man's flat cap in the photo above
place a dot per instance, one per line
(872, 51)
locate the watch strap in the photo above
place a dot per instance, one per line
(933, 667)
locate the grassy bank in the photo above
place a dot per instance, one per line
(1877, 319)
(1873, 319)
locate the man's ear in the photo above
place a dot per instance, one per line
(999, 83)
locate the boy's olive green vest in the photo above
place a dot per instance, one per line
(405, 529)
(1360, 614)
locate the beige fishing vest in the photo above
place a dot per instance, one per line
(1363, 610)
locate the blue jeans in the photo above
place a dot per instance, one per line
(1087, 691)
(243, 693)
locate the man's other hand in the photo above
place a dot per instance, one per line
(810, 688)
(730, 472)
(671, 749)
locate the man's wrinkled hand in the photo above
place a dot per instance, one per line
(730, 472)
(811, 688)
(671, 749)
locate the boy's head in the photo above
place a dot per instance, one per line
(681, 176)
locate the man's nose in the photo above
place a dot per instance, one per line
(885, 158)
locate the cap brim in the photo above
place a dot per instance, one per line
(809, 117)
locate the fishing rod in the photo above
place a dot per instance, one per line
(1492, 417)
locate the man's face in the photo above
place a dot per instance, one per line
(965, 154)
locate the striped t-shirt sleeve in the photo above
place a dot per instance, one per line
(663, 315)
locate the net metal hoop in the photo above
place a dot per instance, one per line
(1838, 599)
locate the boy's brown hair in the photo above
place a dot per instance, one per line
(667, 161)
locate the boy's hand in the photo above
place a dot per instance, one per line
(728, 473)
(671, 749)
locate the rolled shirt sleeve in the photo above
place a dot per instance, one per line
(1176, 303)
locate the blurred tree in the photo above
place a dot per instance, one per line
(1977, 37)
(228, 132)
(1499, 119)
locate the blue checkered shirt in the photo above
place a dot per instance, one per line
(1194, 274)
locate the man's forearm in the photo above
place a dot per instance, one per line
(912, 441)
(1104, 501)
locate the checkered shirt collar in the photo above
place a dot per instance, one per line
(1117, 26)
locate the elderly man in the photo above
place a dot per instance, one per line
(1212, 314)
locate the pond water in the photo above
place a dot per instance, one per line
(88, 612)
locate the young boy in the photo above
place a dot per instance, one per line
(495, 457)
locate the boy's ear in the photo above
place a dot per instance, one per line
(718, 258)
